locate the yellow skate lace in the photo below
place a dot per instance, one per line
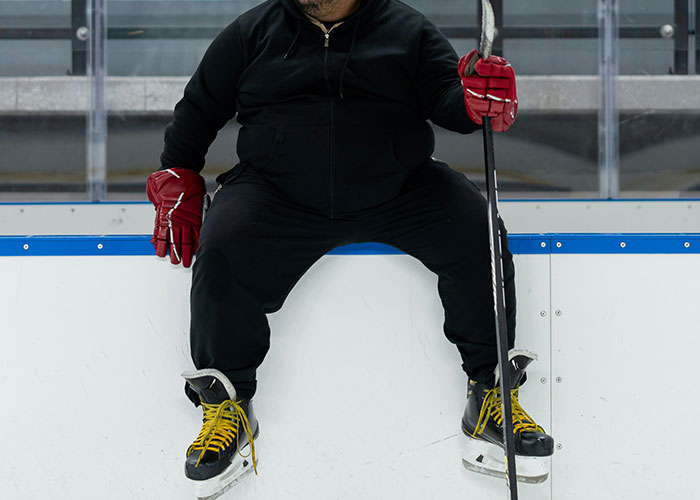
(491, 408)
(220, 427)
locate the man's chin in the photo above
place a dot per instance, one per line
(313, 6)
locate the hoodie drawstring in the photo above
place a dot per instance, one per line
(294, 42)
(347, 59)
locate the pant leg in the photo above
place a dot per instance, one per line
(255, 245)
(441, 219)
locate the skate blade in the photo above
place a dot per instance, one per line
(488, 459)
(215, 487)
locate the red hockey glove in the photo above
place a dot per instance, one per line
(178, 195)
(490, 91)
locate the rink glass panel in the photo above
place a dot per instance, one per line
(647, 56)
(658, 149)
(42, 155)
(135, 141)
(23, 56)
(659, 154)
(546, 153)
(524, 154)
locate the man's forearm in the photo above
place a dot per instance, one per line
(451, 114)
(209, 102)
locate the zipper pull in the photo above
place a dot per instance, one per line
(327, 42)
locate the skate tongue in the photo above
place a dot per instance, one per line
(213, 394)
(211, 385)
(518, 360)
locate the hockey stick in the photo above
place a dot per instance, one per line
(485, 46)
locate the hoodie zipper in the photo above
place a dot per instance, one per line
(331, 134)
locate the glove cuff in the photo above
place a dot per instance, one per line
(177, 181)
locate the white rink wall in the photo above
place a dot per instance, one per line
(361, 394)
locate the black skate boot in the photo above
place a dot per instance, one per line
(482, 425)
(224, 449)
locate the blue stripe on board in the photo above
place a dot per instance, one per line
(636, 243)
(527, 244)
(76, 245)
(518, 243)
(366, 249)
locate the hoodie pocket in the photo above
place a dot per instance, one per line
(295, 159)
(258, 145)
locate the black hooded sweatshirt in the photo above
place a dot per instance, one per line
(335, 121)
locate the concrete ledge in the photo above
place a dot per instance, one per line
(667, 93)
(70, 95)
(158, 95)
(558, 93)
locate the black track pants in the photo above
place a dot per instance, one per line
(256, 244)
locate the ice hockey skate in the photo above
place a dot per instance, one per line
(224, 449)
(482, 426)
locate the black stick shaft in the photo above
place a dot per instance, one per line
(499, 307)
